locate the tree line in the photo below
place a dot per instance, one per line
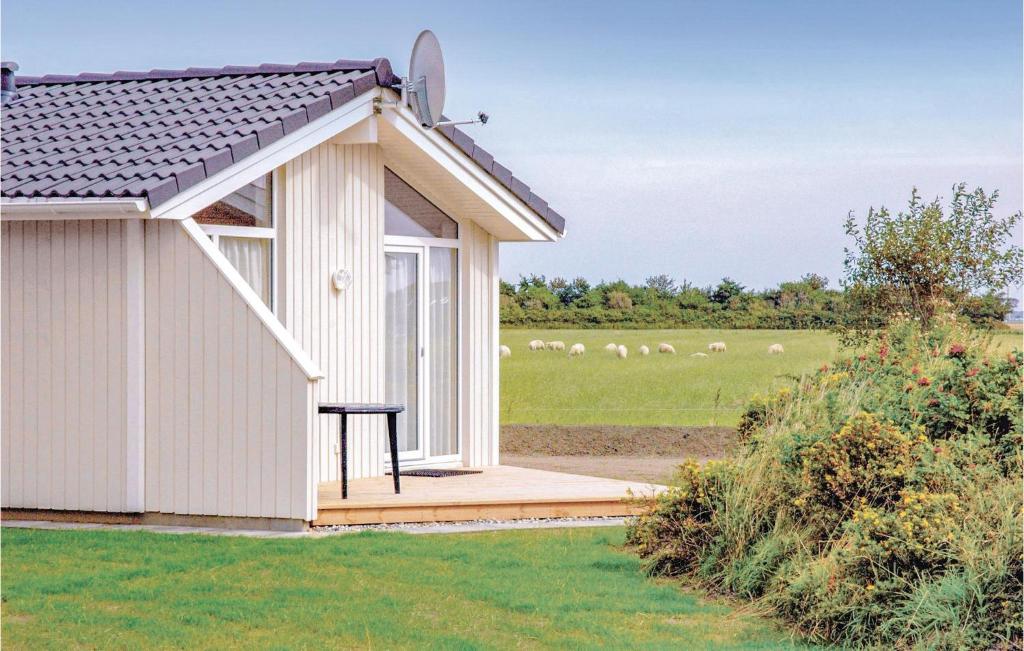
(660, 302)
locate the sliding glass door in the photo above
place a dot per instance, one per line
(443, 357)
(421, 347)
(403, 346)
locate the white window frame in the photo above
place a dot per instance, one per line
(215, 231)
(422, 246)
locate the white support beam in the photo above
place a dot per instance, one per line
(135, 300)
(255, 303)
(494, 425)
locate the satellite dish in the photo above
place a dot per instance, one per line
(426, 79)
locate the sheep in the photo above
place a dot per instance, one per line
(699, 355)
(775, 349)
(644, 350)
(536, 344)
(717, 346)
(622, 352)
(555, 345)
(611, 348)
(666, 348)
(504, 351)
(577, 350)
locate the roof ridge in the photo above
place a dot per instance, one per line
(381, 66)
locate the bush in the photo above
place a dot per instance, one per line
(877, 503)
(619, 301)
(865, 462)
(760, 410)
(685, 520)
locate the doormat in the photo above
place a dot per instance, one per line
(437, 472)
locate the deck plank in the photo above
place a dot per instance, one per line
(499, 492)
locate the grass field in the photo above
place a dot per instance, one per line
(550, 588)
(661, 389)
(548, 387)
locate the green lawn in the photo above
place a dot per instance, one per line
(549, 588)
(599, 388)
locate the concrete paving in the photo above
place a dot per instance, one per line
(155, 528)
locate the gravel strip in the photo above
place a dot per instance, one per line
(472, 526)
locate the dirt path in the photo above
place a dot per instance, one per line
(618, 452)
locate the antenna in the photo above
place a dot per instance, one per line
(424, 89)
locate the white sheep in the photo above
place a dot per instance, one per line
(536, 344)
(504, 351)
(611, 348)
(717, 346)
(577, 350)
(699, 355)
(666, 348)
(644, 350)
(775, 349)
(622, 352)
(555, 345)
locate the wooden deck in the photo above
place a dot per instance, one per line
(499, 492)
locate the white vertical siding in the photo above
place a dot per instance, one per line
(64, 370)
(228, 411)
(479, 272)
(332, 200)
(333, 219)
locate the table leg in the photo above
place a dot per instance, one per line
(344, 456)
(393, 439)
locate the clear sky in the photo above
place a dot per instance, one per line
(698, 139)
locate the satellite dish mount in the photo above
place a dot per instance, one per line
(424, 89)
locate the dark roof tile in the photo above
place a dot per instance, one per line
(244, 147)
(502, 173)
(463, 142)
(189, 176)
(269, 133)
(293, 121)
(217, 161)
(341, 95)
(520, 189)
(318, 108)
(161, 192)
(482, 158)
(538, 205)
(556, 220)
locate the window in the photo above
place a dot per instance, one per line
(242, 226)
(407, 212)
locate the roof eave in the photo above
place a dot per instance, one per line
(22, 208)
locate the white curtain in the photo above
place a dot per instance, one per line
(402, 344)
(251, 257)
(443, 352)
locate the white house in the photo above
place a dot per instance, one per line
(193, 259)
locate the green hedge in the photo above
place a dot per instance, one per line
(807, 303)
